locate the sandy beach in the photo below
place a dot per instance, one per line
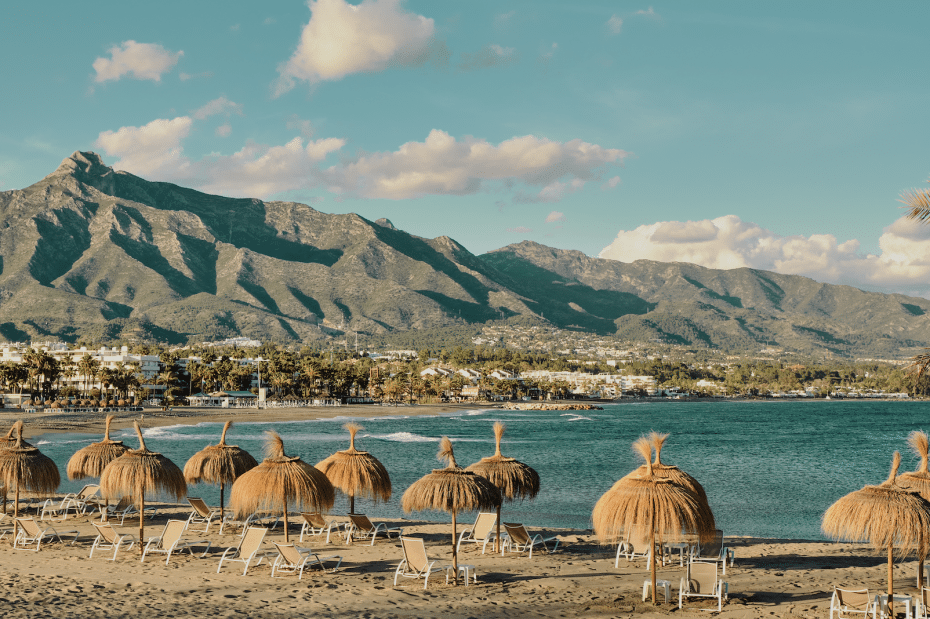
(771, 578)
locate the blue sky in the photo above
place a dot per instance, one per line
(772, 135)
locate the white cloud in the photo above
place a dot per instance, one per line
(444, 165)
(615, 24)
(222, 105)
(728, 242)
(144, 61)
(555, 216)
(611, 183)
(342, 38)
(304, 126)
(490, 56)
(150, 150)
(224, 130)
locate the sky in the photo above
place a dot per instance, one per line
(771, 135)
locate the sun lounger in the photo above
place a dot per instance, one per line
(200, 516)
(170, 541)
(847, 603)
(519, 540)
(701, 580)
(360, 527)
(107, 538)
(86, 500)
(415, 564)
(316, 524)
(922, 608)
(126, 509)
(231, 522)
(6, 525)
(636, 546)
(291, 560)
(481, 532)
(31, 533)
(715, 551)
(247, 550)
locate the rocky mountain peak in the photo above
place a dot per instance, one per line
(83, 164)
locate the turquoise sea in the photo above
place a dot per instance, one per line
(770, 469)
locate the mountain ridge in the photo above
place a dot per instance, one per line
(92, 250)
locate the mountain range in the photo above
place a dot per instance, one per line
(96, 253)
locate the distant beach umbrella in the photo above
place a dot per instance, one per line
(652, 503)
(23, 466)
(918, 480)
(886, 515)
(140, 471)
(675, 475)
(453, 490)
(219, 464)
(356, 473)
(281, 480)
(91, 460)
(510, 476)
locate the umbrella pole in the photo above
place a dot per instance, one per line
(141, 516)
(285, 520)
(351, 503)
(920, 572)
(652, 550)
(890, 582)
(16, 513)
(455, 555)
(497, 538)
(221, 501)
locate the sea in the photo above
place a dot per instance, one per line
(770, 468)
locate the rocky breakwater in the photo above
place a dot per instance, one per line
(539, 406)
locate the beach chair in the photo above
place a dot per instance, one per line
(415, 564)
(107, 538)
(293, 560)
(31, 533)
(200, 516)
(126, 509)
(361, 527)
(922, 608)
(88, 498)
(700, 580)
(316, 524)
(635, 546)
(248, 549)
(6, 525)
(481, 532)
(53, 509)
(519, 540)
(715, 551)
(231, 522)
(170, 541)
(846, 603)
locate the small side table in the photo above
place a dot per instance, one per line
(468, 571)
(660, 584)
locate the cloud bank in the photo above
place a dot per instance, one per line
(342, 39)
(728, 242)
(141, 61)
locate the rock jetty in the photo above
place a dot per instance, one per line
(539, 406)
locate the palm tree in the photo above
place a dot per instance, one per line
(88, 367)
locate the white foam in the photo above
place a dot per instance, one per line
(404, 437)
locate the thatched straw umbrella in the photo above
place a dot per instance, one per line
(885, 515)
(513, 478)
(452, 489)
(356, 473)
(91, 460)
(5, 442)
(918, 480)
(653, 503)
(24, 466)
(139, 471)
(278, 481)
(219, 464)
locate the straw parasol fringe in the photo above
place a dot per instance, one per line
(356, 473)
(279, 480)
(511, 477)
(219, 464)
(652, 502)
(886, 515)
(139, 471)
(452, 489)
(5, 442)
(24, 466)
(918, 480)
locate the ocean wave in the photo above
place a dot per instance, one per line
(403, 437)
(575, 417)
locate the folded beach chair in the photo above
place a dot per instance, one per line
(316, 524)
(847, 603)
(360, 527)
(126, 509)
(701, 580)
(519, 540)
(170, 541)
(231, 522)
(107, 538)
(31, 533)
(200, 516)
(87, 500)
(922, 609)
(6, 525)
(247, 550)
(415, 564)
(715, 551)
(481, 532)
(635, 546)
(291, 560)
